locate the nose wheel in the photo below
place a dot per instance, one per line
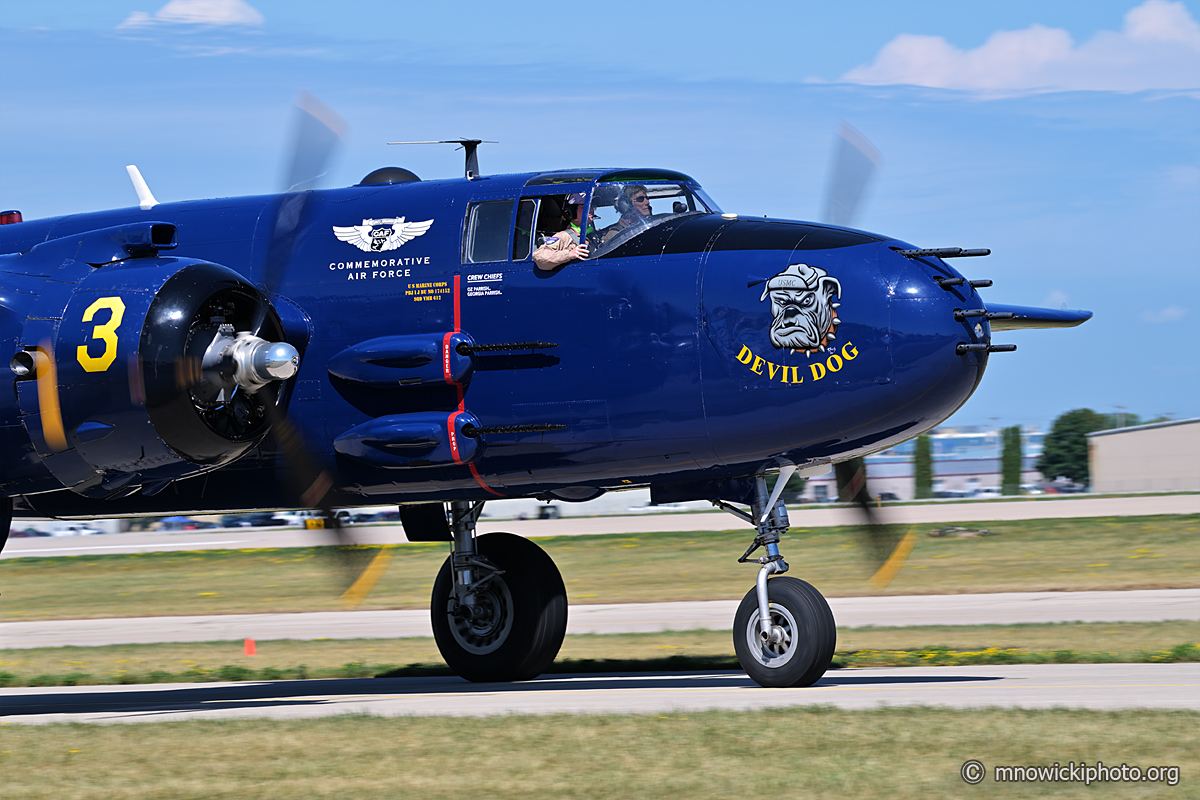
(797, 647)
(783, 633)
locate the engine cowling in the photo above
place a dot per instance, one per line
(148, 369)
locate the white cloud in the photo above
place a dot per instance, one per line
(1168, 314)
(197, 12)
(1158, 47)
(1184, 175)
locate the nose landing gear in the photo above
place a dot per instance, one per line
(783, 632)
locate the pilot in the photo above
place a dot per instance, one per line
(564, 246)
(633, 204)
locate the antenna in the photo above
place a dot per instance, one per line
(146, 200)
(470, 145)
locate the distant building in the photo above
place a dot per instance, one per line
(966, 460)
(1160, 457)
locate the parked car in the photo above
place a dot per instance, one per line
(75, 529)
(544, 512)
(261, 520)
(26, 533)
(885, 497)
(178, 523)
(661, 508)
(349, 517)
(300, 518)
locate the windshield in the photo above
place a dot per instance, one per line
(623, 210)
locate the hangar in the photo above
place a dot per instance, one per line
(1160, 457)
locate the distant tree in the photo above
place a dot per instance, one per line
(1065, 452)
(1010, 461)
(923, 468)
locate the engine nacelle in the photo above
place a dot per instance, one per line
(147, 373)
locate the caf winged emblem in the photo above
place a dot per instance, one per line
(379, 235)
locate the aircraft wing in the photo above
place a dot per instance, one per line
(1026, 317)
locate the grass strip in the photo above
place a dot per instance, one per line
(189, 662)
(822, 753)
(1026, 555)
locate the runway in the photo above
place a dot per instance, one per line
(962, 609)
(1094, 686)
(1097, 686)
(801, 517)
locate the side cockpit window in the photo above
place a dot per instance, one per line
(523, 235)
(488, 226)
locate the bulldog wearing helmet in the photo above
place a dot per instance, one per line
(803, 307)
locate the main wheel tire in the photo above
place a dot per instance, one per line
(529, 614)
(810, 635)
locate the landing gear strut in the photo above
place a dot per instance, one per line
(499, 606)
(783, 632)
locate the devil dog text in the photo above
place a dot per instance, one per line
(785, 373)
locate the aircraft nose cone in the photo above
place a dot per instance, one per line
(925, 334)
(279, 360)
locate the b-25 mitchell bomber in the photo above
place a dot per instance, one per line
(395, 342)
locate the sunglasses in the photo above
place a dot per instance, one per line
(642, 199)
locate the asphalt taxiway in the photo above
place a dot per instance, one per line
(1094, 686)
(1097, 686)
(1004, 608)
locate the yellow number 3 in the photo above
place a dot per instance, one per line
(107, 333)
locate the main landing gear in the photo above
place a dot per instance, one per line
(783, 632)
(499, 606)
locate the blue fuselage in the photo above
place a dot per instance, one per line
(676, 360)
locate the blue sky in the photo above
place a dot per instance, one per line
(1065, 136)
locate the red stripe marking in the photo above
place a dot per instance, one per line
(446, 358)
(461, 402)
(450, 432)
(479, 480)
(457, 307)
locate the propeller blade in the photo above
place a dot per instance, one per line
(853, 167)
(318, 132)
(313, 485)
(883, 576)
(886, 545)
(361, 588)
(48, 406)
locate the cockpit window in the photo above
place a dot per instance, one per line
(621, 211)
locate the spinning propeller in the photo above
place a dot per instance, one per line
(318, 132)
(886, 546)
(233, 356)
